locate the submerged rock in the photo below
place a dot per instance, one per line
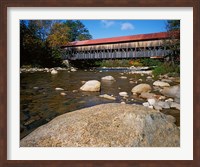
(36, 88)
(107, 97)
(107, 125)
(92, 85)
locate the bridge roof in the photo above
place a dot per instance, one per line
(140, 37)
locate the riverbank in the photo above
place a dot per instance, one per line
(35, 69)
(126, 69)
(107, 125)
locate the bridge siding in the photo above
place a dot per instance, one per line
(113, 55)
(132, 49)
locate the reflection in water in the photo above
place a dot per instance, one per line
(40, 102)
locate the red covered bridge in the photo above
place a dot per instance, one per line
(134, 46)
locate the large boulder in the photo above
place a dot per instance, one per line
(172, 91)
(138, 89)
(107, 125)
(161, 84)
(108, 78)
(92, 85)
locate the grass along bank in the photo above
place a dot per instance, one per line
(159, 67)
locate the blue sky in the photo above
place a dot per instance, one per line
(113, 28)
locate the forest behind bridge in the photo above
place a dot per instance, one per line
(40, 42)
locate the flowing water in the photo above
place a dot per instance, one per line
(40, 102)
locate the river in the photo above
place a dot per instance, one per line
(40, 102)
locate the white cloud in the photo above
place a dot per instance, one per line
(127, 26)
(107, 23)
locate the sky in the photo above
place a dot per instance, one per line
(114, 28)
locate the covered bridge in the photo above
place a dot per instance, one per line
(134, 46)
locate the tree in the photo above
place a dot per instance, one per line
(41, 28)
(77, 31)
(30, 44)
(34, 49)
(173, 44)
(59, 35)
(40, 40)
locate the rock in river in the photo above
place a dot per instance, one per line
(162, 104)
(92, 86)
(107, 97)
(151, 101)
(108, 78)
(161, 84)
(59, 89)
(54, 72)
(146, 104)
(172, 91)
(175, 105)
(124, 94)
(147, 95)
(138, 89)
(63, 94)
(123, 77)
(107, 125)
(73, 69)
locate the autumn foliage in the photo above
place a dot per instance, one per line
(40, 40)
(59, 35)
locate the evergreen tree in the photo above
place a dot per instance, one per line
(173, 44)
